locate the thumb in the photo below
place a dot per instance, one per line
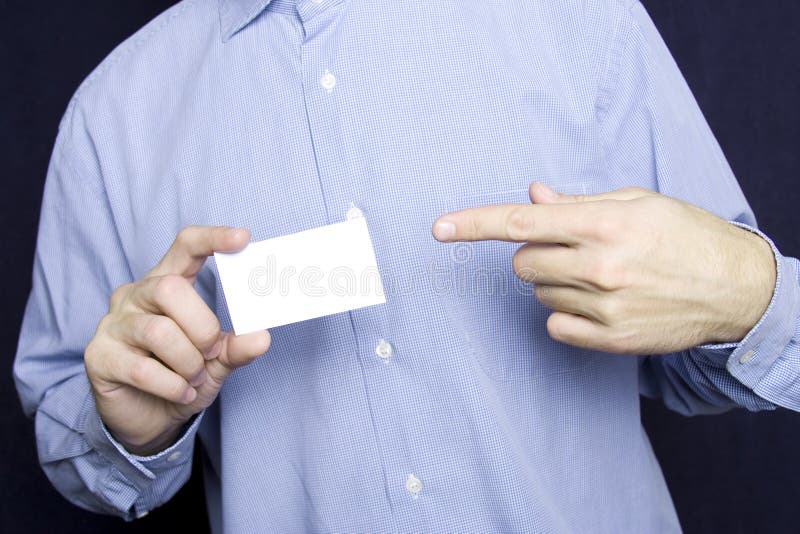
(237, 351)
(542, 194)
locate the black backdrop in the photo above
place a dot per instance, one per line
(733, 473)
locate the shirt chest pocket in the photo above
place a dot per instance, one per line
(502, 323)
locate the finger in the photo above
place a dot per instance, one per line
(194, 244)
(570, 300)
(542, 194)
(140, 371)
(237, 351)
(581, 332)
(175, 296)
(514, 222)
(162, 337)
(545, 264)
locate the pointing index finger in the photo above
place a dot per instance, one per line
(194, 244)
(522, 223)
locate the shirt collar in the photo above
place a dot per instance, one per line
(236, 14)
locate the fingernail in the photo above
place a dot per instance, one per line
(234, 232)
(189, 396)
(444, 230)
(214, 351)
(200, 379)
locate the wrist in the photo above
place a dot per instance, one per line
(147, 446)
(752, 278)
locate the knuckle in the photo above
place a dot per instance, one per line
(140, 372)
(208, 334)
(119, 295)
(605, 274)
(519, 224)
(473, 228)
(608, 227)
(185, 234)
(91, 357)
(609, 310)
(153, 329)
(168, 287)
(104, 325)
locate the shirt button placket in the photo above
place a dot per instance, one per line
(326, 94)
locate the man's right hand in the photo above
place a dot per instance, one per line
(159, 356)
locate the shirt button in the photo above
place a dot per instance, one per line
(142, 513)
(354, 213)
(384, 350)
(413, 485)
(174, 456)
(747, 356)
(328, 81)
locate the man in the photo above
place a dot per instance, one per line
(465, 403)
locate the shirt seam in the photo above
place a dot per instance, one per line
(123, 51)
(609, 81)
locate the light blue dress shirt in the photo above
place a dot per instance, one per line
(448, 409)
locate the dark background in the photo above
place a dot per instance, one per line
(735, 473)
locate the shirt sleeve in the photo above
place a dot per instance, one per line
(79, 260)
(652, 128)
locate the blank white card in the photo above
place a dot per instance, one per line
(301, 276)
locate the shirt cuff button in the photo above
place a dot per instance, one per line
(747, 356)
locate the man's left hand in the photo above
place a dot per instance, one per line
(630, 271)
